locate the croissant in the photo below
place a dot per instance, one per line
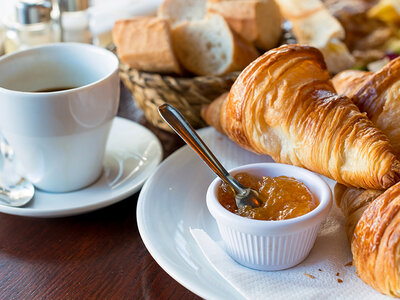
(284, 105)
(353, 202)
(372, 217)
(373, 229)
(377, 94)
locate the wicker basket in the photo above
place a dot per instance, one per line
(187, 94)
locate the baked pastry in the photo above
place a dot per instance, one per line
(145, 43)
(373, 228)
(353, 203)
(377, 94)
(365, 35)
(257, 21)
(313, 25)
(210, 47)
(284, 105)
(372, 216)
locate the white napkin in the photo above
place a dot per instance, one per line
(103, 14)
(328, 258)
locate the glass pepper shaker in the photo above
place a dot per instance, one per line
(31, 26)
(2, 37)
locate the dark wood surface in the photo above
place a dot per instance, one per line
(98, 255)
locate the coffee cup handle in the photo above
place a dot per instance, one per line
(8, 174)
(5, 149)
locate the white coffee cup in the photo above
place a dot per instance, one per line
(59, 137)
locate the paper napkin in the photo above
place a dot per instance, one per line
(104, 13)
(323, 275)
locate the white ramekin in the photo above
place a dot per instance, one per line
(271, 245)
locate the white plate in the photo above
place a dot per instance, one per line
(132, 153)
(173, 200)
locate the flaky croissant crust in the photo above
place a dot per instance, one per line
(377, 94)
(353, 203)
(373, 228)
(372, 217)
(284, 104)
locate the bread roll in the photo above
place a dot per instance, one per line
(145, 43)
(182, 10)
(313, 25)
(257, 21)
(210, 47)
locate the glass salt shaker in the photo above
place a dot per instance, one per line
(75, 21)
(31, 26)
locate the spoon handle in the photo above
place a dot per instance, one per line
(179, 124)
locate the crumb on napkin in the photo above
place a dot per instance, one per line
(309, 275)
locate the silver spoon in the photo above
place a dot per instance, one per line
(17, 195)
(243, 195)
(22, 191)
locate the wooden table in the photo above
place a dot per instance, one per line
(98, 255)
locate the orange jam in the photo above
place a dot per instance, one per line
(283, 197)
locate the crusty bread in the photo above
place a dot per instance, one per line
(313, 25)
(182, 10)
(257, 21)
(145, 43)
(312, 22)
(209, 47)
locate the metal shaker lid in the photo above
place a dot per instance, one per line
(73, 5)
(32, 12)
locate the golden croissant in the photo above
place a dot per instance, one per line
(283, 104)
(373, 229)
(377, 94)
(373, 217)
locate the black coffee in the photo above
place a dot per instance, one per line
(56, 89)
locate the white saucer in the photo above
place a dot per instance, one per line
(132, 154)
